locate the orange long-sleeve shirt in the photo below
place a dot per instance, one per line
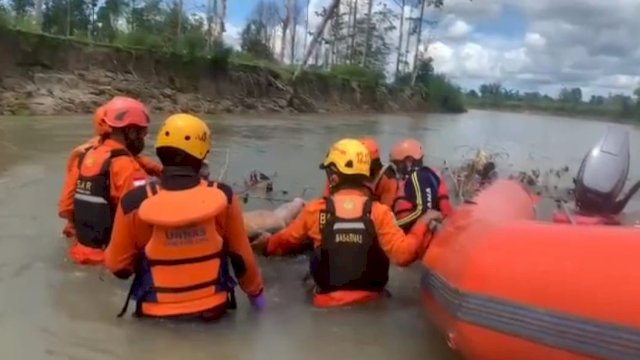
(402, 249)
(130, 234)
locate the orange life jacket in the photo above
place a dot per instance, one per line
(93, 211)
(181, 271)
(349, 256)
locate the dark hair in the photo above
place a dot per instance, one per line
(376, 166)
(170, 156)
(348, 181)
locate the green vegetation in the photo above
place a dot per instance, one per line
(568, 102)
(355, 46)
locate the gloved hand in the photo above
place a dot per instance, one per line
(258, 302)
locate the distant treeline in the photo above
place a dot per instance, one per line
(570, 101)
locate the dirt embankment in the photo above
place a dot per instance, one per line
(43, 75)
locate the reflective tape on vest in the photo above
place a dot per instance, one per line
(90, 198)
(348, 226)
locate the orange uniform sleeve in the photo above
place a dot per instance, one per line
(128, 238)
(65, 203)
(125, 175)
(240, 252)
(401, 249)
(305, 225)
(151, 167)
(387, 190)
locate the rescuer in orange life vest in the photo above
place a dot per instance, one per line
(176, 235)
(420, 188)
(103, 174)
(354, 237)
(383, 182)
(101, 131)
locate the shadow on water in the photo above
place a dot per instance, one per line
(51, 309)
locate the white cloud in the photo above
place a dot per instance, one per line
(231, 35)
(534, 40)
(586, 43)
(458, 29)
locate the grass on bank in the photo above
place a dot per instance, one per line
(442, 95)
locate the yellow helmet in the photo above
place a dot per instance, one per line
(187, 133)
(349, 156)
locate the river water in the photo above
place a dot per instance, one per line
(50, 309)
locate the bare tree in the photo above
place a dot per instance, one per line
(367, 42)
(423, 5)
(401, 4)
(267, 14)
(314, 41)
(354, 24)
(295, 21)
(286, 21)
(306, 24)
(405, 55)
(222, 16)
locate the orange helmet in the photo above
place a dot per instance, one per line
(124, 111)
(100, 127)
(372, 146)
(406, 148)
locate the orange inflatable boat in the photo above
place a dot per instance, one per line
(502, 286)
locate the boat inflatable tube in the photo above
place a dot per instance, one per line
(502, 286)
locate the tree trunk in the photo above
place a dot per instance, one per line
(405, 55)
(316, 37)
(68, 31)
(286, 21)
(38, 9)
(418, 40)
(294, 31)
(306, 25)
(399, 56)
(180, 7)
(353, 32)
(222, 16)
(367, 40)
(210, 15)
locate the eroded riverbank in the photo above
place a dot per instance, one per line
(43, 75)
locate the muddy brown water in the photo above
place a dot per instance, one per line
(50, 309)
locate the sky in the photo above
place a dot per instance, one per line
(528, 45)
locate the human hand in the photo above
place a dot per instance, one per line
(260, 243)
(430, 217)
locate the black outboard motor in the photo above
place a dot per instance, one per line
(602, 175)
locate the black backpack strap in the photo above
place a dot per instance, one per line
(366, 208)
(226, 189)
(113, 154)
(119, 152)
(330, 206)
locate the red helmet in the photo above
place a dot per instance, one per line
(124, 111)
(408, 148)
(372, 146)
(100, 127)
